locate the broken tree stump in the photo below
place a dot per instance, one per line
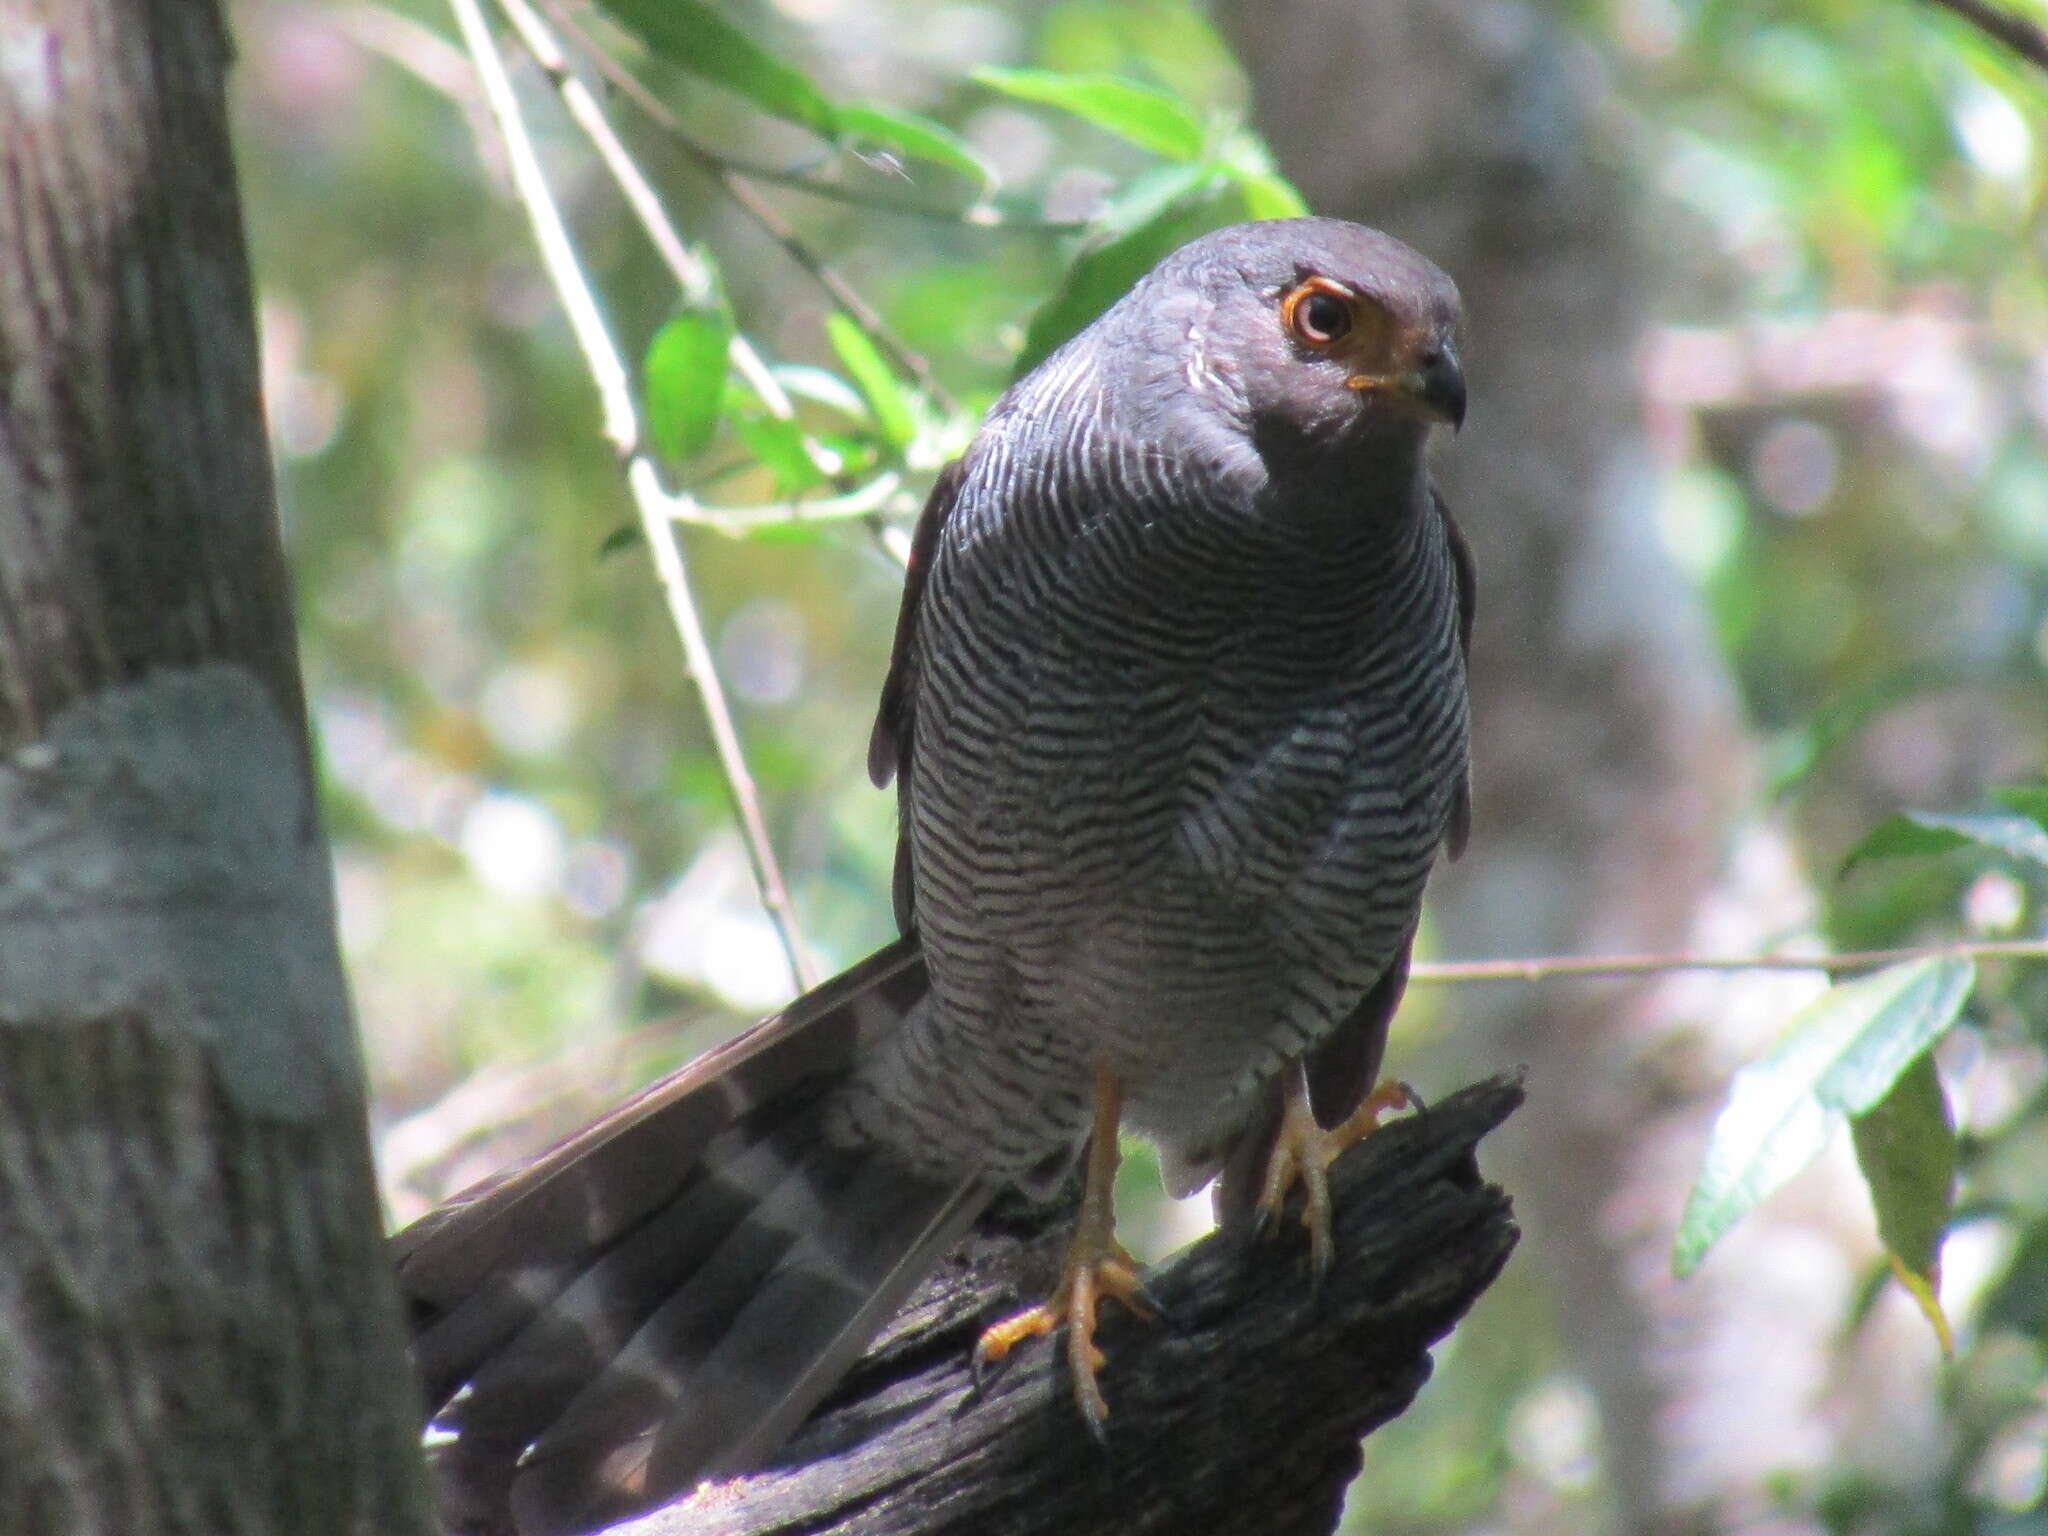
(1240, 1416)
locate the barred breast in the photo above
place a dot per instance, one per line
(1188, 738)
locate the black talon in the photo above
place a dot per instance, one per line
(1098, 1427)
(983, 1373)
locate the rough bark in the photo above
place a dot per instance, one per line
(1607, 750)
(197, 1331)
(1242, 1414)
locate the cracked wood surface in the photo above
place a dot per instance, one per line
(1243, 1414)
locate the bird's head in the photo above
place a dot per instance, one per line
(1312, 332)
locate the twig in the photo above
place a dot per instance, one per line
(976, 215)
(777, 228)
(622, 426)
(862, 501)
(2022, 36)
(841, 292)
(691, 274)
(1553, 967)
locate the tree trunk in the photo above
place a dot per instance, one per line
(197, 1331)
(1607, 751)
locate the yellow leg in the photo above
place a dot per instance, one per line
(1096, 1267)
(1303, 1152)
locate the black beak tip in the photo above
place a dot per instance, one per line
(1442, 388)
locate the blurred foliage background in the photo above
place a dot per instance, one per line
(1843, 390)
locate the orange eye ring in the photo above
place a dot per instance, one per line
(1317, 312)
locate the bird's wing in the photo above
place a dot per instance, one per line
(1467, 573)
(889, 747)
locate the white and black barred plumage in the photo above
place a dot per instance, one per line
(1179, 710)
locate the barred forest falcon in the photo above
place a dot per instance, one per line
(1178, 715)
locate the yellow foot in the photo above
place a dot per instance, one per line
(1097, 1267)
(1086, 1280)
(1303, 1152)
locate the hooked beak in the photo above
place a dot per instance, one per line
(1435, 386)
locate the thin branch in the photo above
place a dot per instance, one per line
(622, 426)
(2022, 36)
(841, 292)
(979, 215)
(1552, 968)
(692, 276)
(777, 228)
(424, 54)
(690, 273)
(863, 501)
(973, 215)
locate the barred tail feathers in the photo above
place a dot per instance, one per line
(668, 1293)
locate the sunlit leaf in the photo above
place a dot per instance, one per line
(918, 138)
(1906, 1147)
(1149, 118)
(1917, 833)
(875, 379)
(694, 37)
(1838, 1057)
(685, 374)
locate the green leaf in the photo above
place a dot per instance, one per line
(1906, 1147)
(1154, 217)
(1270, 197)
(1267, 194)
(619, 540)
(685, 373)
(779, 446)
(694, 37)
(1149, 118)
(1837, 1057)
(1916, 833)
(875, 379)
(919, 138)
(789, 534)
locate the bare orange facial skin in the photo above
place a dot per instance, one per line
(1328, 317)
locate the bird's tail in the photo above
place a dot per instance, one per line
(666, 1295)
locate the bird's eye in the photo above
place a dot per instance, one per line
(1317, 311)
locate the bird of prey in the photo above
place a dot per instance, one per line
(1177, 713)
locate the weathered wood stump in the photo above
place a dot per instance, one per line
(1243, 1413)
